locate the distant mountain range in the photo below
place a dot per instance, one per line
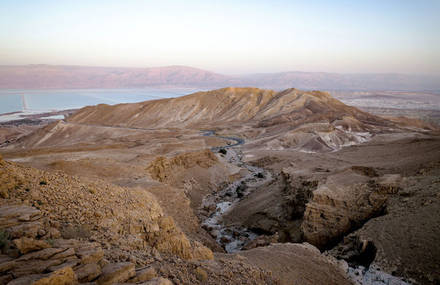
(56, 76)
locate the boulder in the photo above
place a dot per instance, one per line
(12, 215)
(116, 272)
(25, 244)
(34, 266)
(145, 274)
(69, 262)
(65, 253)
(6, 264)
(158, 281)
(41, 254)
(66, 243)
(90, 253)
(201, 252)
(88, 272)
(64, 276)
(201, 274)
(54, 233)
(26, 280)
(27, 229)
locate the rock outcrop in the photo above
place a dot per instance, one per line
(297, 264)
(196, 173)
(167, 169)
(116, 273)
(79, 209)
(405, 241)
(59, 229)
(340, 205)
(47, 261)
(44, 259)
(276, 209)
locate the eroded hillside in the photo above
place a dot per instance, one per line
(252, 172)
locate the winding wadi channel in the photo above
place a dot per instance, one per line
(232, 237)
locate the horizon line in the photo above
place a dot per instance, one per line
(435, 74)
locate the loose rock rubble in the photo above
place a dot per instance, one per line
(71, 261)
(125, 237)
(43, 260)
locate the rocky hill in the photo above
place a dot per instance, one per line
(230, 105)
(310, 121)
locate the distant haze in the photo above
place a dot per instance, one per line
(228, 37)
(49, 76)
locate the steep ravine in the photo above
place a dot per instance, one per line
(231, 237)
(234, 237)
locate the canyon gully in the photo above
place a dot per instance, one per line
(234, 237)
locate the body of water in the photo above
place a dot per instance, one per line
(14, 100)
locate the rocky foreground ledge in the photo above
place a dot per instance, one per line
(59, 229)
(52, 231)
(36, 254)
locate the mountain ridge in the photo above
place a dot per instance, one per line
(307, 121)
(225, 105)
(311, 121)
(70, 76)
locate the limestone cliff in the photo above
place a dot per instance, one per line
(340, 205)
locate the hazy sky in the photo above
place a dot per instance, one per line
(225, 36)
